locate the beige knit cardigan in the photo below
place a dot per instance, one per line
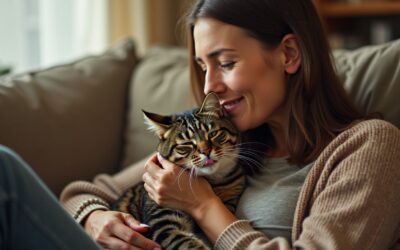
(350, 198)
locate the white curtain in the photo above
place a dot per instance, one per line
(17, 30)
(43, 33)
(71, 29)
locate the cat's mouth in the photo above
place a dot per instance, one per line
(209, 163)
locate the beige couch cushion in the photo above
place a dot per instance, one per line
(372, 77)
(160, 84)
(67, 121)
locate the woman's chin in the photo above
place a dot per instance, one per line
(245, 124)
(240, 124)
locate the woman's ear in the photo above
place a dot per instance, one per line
(291, 52)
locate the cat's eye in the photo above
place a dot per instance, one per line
(218, 136)
(213, 133)
(221, 138)
(183, 150)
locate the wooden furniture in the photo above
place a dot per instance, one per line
(354, 23)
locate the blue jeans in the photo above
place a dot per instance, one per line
(30, 215)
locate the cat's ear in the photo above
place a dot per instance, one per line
(157, 123)
(211, 106)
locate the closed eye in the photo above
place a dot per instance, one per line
(218, 136)
(223, 66)
(183, 150)
(227, 66)
(213, 133)
(221, 138)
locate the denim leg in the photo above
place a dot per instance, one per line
(30, 215)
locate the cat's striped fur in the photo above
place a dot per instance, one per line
(204, 142)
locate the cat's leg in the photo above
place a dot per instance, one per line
(174, 238)
(176, 231)
(30, 215)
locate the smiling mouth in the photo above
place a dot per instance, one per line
(229, 106)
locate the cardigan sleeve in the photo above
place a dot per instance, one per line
(80, 198)
(240, 235)
(350, 197)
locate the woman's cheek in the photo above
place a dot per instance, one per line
(237, 82)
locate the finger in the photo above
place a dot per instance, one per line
(153, 169)
(160, 158)
(134, 238)
(151, 193)
(149, 189)
(153, 158)
(149, 180)
(134, 224)
(141, 228)
(165, 163)
(116, 243)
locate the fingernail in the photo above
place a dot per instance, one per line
(157, 248)
(143, 225)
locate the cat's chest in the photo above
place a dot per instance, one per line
(230, 190)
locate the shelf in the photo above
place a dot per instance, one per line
(337, 10)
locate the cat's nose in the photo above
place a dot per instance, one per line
(204, 148)
(205, 151)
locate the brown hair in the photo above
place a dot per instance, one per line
(319, 107)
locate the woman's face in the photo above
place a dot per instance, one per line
(248, 78)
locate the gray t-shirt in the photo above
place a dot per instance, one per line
(270, 199)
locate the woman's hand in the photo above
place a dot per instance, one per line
(117, 230)
(171, 187)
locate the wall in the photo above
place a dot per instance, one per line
(150, 22)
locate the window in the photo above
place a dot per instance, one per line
(41, 33)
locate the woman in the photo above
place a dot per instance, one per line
(269, 63)
(330, 176)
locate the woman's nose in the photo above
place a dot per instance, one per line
(213, 83)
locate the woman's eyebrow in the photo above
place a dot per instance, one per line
(214, 54)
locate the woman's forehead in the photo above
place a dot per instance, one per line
(212, 35)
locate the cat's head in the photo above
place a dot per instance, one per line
(202, 139)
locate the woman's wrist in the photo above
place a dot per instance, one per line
(213, 217)
(94, 212)
(200, 211)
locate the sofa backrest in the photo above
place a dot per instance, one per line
(67, 121)
(371, 76)
(74, 121)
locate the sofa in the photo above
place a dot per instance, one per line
(73, 121)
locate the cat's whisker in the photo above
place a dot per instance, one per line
(244, 148)
(248, 152)
(254, 154)
(191, 177)
(250, 160)
(178, 178)
(251, 143)
(234, 161)
(184, 167)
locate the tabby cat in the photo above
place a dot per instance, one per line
(204, 142)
